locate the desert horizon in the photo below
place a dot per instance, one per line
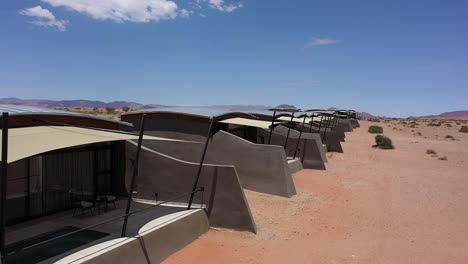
(114, 108)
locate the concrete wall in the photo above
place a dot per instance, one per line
(340, 131)
(261, 168)
(330, 138)
(159, 173)
(295, 166)
(156, 241)
(345, 124)
(354, 123)
(311, 150)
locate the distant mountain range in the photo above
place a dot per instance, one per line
(134, 105)
(447, 115)
(115, 104)
(67, 103)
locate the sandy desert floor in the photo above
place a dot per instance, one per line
(369, 206)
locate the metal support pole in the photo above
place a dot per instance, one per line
(327, 122)
(299, 139)
(320, 123)
(320, 127)
(200, 166)
(289, 129)
(134, 175)
(271, 127)
(3, 186)
(335, 120)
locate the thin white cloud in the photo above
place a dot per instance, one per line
(44, 18)
(123, 10)
(321, 42)
(38, 12)
(185, 12)
(221, 6)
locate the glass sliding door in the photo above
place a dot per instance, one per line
(36, 207)
(67, 176)
(17, 191)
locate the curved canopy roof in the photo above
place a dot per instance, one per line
(25, 142)
(198, 113)
(206, 113)
(27, 115)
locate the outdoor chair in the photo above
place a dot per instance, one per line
(78, 203)
(110, 199)
(83, 206)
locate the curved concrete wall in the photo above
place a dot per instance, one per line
(310, 151)
(156, 241)
(331, 138)
(345, 124)
(354, 123)
(227, 205)
(261, 168)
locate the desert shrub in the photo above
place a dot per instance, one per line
(374, 120)
(431, 151)
(432, 123)
(383, 142)
(110, 110)
(450, 137)
(375, 129)
(448, 125)
(443, 158)
(419, 134)
(464, 129)
(125, 108)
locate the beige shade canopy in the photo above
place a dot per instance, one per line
(264, 124)
(299, 120)
(247, 122)
(29, 141)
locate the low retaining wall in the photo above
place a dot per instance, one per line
(261, 168)
(156, 241)
(294, 166)
(310, 151)
(170, 177)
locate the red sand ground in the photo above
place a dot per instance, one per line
(369, 206)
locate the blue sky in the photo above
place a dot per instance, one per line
(395, 58)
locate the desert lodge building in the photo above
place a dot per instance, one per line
(84, 189)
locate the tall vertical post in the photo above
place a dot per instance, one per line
(321, 121)
(4, 186)
(200, 165)
(320, 126)
(299, 139)
(289, 129)
(327, 122)
(335, 119)
(134, 175)
(271, 127)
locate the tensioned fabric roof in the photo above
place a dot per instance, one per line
(208, 112)
(247, 122)
(299, 120)
(22, 110)
(29, 141)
